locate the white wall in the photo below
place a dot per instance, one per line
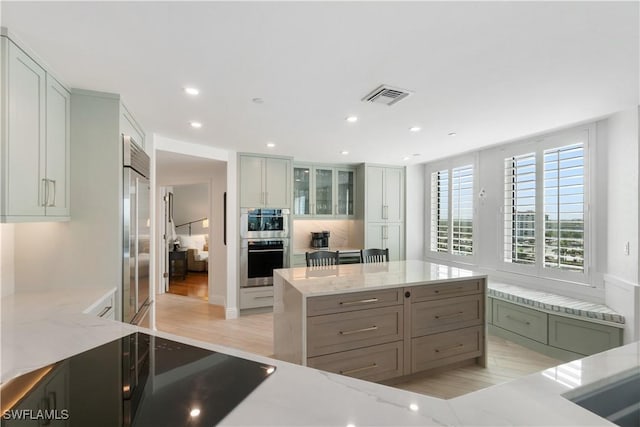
(190, 203)
(415, 210)
(622, 193)
(622, 292)
(7, 273)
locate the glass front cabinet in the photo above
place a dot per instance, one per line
(322, 191)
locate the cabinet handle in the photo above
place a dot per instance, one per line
(448, 291)
(362, 301)
(45, 192)
(53, 203)
(335, 211)
(385, 212)
(262, 198)
(451, 347)
(104, 311)
(386, 232)
(450, 315)
(356, 331)
(356, 370)
(515, 319)
(266, 197)
(263, 297)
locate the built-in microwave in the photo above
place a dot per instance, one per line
(261, 223)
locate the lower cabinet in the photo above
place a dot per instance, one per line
(260, 296)
(375, 363)
(368, 334)
(580, 337)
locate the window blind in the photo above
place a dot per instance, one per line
(520, 209)
(440, 211)
(462, 210)
(564, 211)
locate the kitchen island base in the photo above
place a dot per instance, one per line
(381, 322)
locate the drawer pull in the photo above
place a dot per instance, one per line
(450, 315)
(451, 347)
(356, 370)
(355, 331)
(362, 301)
(448, 290)
(104, 311)
(515, 319)
(263, 297)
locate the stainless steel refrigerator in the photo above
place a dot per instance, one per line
(136, 238)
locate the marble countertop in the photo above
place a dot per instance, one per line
(38, 330)
(347, 278)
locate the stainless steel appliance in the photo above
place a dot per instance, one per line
(258, 259)
(136, 238)
(264, 223)
(320, 239)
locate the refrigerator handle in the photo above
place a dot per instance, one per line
(135, 218)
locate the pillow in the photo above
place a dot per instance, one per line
(195, 241)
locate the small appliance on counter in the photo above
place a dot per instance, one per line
(320, 239)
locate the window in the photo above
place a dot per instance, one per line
(564, 208)
(554, 187)
(440, 211)
(520, 209)
(452, 210)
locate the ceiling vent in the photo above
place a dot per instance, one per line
(386, 95)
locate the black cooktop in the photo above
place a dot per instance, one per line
(138, 380)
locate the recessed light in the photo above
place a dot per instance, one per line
(352, 119)
(271, 144)
(194, 412)
(405, 158)
(344, 152)
(414, 407)
(196, 125)
(191, 91)
(270, 370)
(415, 129)
(452, 134)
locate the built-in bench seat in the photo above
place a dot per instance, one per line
(557, 304)
(562, 327)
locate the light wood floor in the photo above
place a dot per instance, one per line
(195, 284)
(195, 318)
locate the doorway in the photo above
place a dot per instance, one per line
(187, 225)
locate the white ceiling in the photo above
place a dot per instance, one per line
(490, 72)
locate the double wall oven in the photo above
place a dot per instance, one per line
(264, 245)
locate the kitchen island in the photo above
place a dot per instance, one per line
(381, 321)
(37, 331)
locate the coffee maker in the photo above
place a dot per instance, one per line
(320, 239)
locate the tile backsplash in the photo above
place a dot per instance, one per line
(344, 233)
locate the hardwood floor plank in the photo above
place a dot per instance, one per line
(196, 318)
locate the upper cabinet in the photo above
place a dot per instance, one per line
(36, 143)
(265, 181)
(385, 194)
(323, 191)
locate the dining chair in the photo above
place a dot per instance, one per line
(322, 258)
(368, 256)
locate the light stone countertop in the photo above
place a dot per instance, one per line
(39, 329)
(348, 278)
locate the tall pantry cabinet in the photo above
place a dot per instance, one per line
(35, 139)
(384, 213)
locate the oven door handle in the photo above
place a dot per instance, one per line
(265, 250)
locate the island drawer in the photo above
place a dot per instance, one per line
(353, 301)
(446, 290)
(436, 350)
(347, 331)
(429, 317)
(375, 363)
(520, 320)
